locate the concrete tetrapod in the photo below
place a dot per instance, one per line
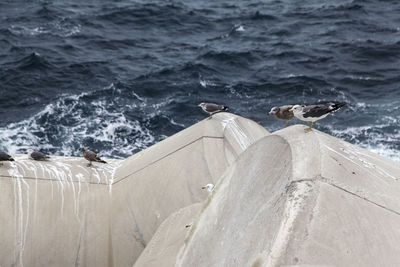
(62, 213)
(295, 199)
(168, 176)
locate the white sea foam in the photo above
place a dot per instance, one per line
(66, 124)
(240, 28)
(60, 28)
(373, 137)
(204, 83)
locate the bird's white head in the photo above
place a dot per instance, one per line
(201, 104)
(296, 109)
(274, 110)
(209, 187)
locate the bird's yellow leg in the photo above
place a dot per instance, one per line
(286, 124)
(309, 129)
(1, 163)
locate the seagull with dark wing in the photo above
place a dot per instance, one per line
(91, 156)
(282, 113)
(212, 108)
(36, 155)
(5, 157)
(313, 113)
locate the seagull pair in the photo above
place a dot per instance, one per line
(311, 113)
(87, 154)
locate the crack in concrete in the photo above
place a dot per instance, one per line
(326, 181)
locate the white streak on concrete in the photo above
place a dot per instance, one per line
(96, 174)
(365, 164)
(356, 154)
(19, 213)
(237, 131)
(68, 174)
(79, 177)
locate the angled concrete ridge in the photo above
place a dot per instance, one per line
(62, 213)
(297, 199)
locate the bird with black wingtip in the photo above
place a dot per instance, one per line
(91, 156)
(212, 108)
(282, 113)
(5, 157)
(313, 113)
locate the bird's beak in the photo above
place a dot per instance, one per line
(270, 113)
(199, 105)
(291, 110)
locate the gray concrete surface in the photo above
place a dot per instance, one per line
(284, 199)
(297, 199)
(63, 213)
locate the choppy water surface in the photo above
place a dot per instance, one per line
(120, 76)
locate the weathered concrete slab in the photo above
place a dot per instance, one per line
(285, 199)
(161, 250)
(54, 213)
(63, 213)
(170, 176)
(300, 199)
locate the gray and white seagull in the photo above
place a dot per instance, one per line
(282, 113)
(212, 108)
(36, 155)
(91, 156)
(5, 157)
(313, 113)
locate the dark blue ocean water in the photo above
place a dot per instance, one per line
(119, 76)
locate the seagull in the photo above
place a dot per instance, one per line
(313, 113)
(5, 157)
(282, 113)
(209, 187)
(36, 155)
(91, 156)
(212, 108)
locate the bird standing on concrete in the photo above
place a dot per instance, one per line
(91, 156)
(36, 155)
(5, 157)
(209, 187)
(282, 113)
(212, 108)
(313, 113)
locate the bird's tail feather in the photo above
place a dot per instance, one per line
(337, 106)
(225, 108)
(11, 159)
(101, 161)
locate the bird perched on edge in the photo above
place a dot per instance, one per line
(5, 157)
(91, 156)
(36, 155)
(313, 113)
(282, 113)
(212, 108)
(209, 187)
